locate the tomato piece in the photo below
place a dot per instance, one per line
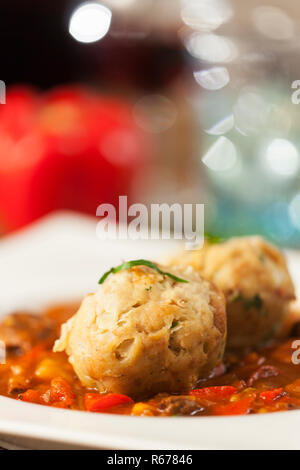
(60, 391)
(240, 407)
(31, 396)
(214, 393)
(97, 402)
(270, 395)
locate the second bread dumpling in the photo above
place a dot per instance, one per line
(254, 278)
(143, 332)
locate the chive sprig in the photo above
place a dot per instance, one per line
(139, 262)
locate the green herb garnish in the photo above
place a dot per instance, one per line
(148, 288)
(237, 298)
(213, 239)
(254, 302)
(174, 324)
(139, 262)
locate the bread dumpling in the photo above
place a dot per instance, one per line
(254, 278)
(143, 332)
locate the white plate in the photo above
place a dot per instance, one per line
(61, 259)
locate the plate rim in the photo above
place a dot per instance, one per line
(78, 428)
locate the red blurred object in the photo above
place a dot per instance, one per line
(67, 149)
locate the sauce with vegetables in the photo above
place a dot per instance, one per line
(254, 382)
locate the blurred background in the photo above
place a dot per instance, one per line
(183, 101)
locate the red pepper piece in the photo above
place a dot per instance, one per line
(31, 396)
(214, 393)
(60, 391)
(270, 395)
(241, 407)
(98, 402)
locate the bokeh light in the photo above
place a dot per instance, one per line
(221, 156)
(155, 113)
(90, 22)
(120, 4)
(273, 22)
(282, 157)
(222, 127)
(120, 147)
(205, 15)
(211, 47)
(213, 79)
(250, 111)
(294, 211)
